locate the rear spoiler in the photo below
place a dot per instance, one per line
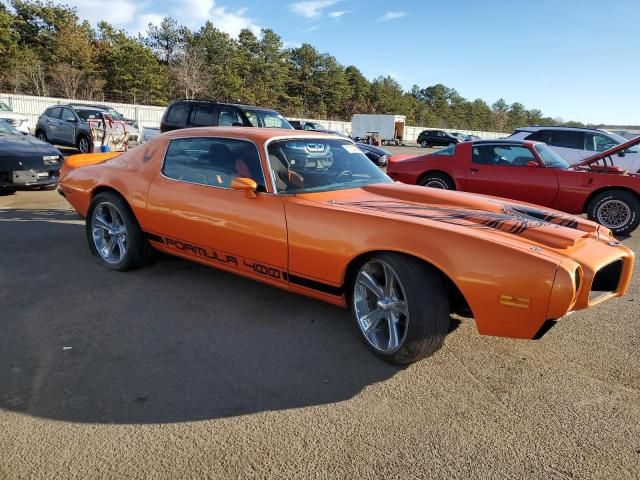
(608, 153)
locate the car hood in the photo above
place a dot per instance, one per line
(531, 224)
(23, 152)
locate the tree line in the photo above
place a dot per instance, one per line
(46, 50)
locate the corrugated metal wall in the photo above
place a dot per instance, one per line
(149, 117)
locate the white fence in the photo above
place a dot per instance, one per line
(149, 116)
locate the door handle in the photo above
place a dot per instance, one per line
(474, 170)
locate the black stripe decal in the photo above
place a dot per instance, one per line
(153, 237)
(315, 285)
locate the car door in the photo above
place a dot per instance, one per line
(67, 126)
(51, 124)
(511, 171)
(192, 208)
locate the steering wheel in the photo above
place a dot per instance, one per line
(347, 174)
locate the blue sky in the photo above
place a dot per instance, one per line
(573, 59)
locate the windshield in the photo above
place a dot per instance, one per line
(266, 119)
(549, 157)
(320, 164)
(4, 107)
(6, 129)
(115, 114)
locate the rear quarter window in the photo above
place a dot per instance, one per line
(178, 113)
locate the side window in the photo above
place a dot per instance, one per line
(598, 143)
(178, 113)
(227, 116)
(212, 161)
(502, 155)
(68, 115)
(566, 139)
(203, 115)
(55, 112)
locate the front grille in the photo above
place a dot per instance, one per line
(606, 280)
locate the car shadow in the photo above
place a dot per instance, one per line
(173, 342)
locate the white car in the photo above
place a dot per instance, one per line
(576, 144)
(17, 120)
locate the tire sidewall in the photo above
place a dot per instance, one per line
(85, 138)
(437, 177)
(625, 197)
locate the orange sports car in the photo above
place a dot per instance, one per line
(309, 213)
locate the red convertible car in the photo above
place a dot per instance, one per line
(532, 172)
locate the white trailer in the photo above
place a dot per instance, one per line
(389, 128)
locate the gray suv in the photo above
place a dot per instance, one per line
(68, 126)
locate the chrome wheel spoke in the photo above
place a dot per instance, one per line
(389, 279)
(399, 307)
(394, 341)
(107, 250)
(100, 222)
(365, 279)
(122, 246)
(371, 320)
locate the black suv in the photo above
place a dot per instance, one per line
(430, 138)
(206, 113)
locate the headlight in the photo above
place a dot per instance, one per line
(51, 159)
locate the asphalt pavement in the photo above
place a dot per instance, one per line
(182, 371)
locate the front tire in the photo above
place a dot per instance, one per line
(40, 135)
(437, 180)
(618, 210)
(400, 308)
(115, 238)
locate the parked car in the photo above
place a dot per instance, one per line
(17, 120)
(132, 125)
(377, 155)
(437, 138)
(533, 172)
(402, 257)
(26, 163)
(313, 127)
(576, 144)
(75, 126)
(206, 113)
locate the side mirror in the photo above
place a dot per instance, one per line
(621, 153)
(247, 185)
(532, 163)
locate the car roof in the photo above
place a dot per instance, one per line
(505, 141)
(83, 107)
(214, 102)
(255, 134)
(537, 128)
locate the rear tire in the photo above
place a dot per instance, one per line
(618, 210)
(424, 144)
(115, 239)
(414, 304)
(437, 180)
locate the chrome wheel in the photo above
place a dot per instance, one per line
(42, 137)
(423, 144)
(380, 306)
(613, 214)
(436, 183)
(83, 145)
(109, 233)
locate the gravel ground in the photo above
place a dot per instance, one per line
(181, 371)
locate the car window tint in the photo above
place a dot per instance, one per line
(212, 161)
(203, 115)
(227, 116)
(502, 155)
(67, 114)
(448, 152)
(55, 112)
(598, 143)
(559, 138)
(178, 113)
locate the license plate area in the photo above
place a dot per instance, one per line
(25, 176)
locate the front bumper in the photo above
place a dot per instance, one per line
(29, 179)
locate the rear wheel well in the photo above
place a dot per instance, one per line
(593, 194)
(458, 304)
